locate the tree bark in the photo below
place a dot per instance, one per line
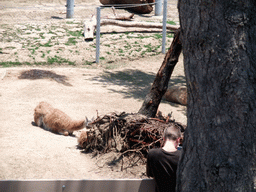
(160, 84)
(219, 43)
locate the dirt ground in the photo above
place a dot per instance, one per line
(29, 152)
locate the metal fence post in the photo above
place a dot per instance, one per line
(98, 36)
(158, 7)
(164, 25)
(70, 8)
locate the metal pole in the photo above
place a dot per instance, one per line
(70, 8)
(164, 25)
(158, 7)
(98, 36)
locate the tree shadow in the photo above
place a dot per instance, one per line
(133, 83)
(56, 17)
(34, 74)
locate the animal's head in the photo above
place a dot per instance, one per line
(82, 140)
(88, 123)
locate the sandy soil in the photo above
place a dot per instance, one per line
(29, 152)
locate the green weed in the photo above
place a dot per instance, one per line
(13, 64)
(76, 33)
(58, 60)
(71, 41)
(70, 22)
(88, 63)
(171, 22)
(48, 44)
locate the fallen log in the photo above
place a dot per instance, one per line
(138, 24)
(90, 26)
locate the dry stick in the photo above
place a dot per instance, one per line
(160, 84)
(157, 120)
(3, 74)
(154, 142)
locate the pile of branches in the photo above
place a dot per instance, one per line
(126, 133)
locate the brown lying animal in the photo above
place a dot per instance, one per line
(140, 9)
(55, 120)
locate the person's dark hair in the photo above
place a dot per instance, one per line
(172, 133)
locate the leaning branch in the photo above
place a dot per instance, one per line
(160, 84)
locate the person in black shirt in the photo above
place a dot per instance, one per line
(162, 162)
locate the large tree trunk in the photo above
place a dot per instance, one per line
(219, 43)
(160, 84)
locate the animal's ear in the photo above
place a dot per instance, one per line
(86, 122)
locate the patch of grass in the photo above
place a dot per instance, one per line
(158, 36)
(88, 62)
(42, 35)
(143, 36)
(120, 50)
(129, 37)
(138, 50)
(58, 60)
(13, 64)
(169, 35)
(32, 51)
(70, 22)
(53, 27)
(76, 33)
(149, 47)
(10, 47)
(71, 41)
(125, 45)
(48, 44)
(171, 22)
(128, 46)
(51, 32)
(43, 55)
